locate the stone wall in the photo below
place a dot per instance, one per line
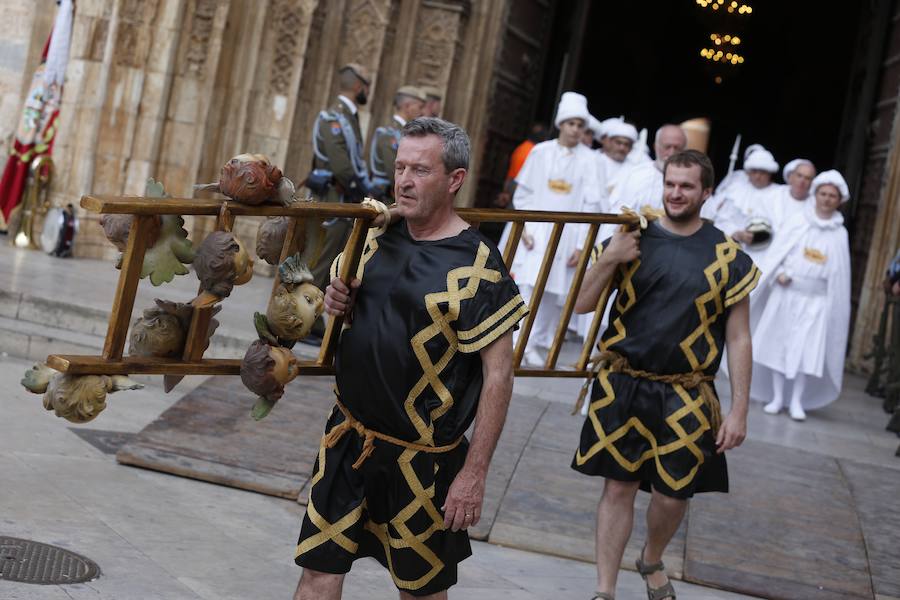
(173, 88)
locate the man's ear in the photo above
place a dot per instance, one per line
(457, 176)
(707, 192)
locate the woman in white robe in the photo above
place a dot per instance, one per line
(801, 324)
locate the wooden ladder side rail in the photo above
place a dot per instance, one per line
(537, 293)
(569, 306)
(594, 329)
(512, 243)
(126, 289)
(353, 251)
(324, 210)
(76, 364)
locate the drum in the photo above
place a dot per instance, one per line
(52, 230)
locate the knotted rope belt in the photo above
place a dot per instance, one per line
(616, 363)
(370, 435)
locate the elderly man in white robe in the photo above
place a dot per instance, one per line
(558, 175)
(618, 140)
(798, 177)
(747, 211)
(801, 333)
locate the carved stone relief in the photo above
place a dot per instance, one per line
(438, 33)
(202, 23)
(134, 36)
(365, 30)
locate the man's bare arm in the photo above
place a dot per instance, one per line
(466, 493)
(740, 366)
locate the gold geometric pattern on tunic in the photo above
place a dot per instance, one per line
(423, 499)
(368, 251)
(739, 291)
(333, 532)
(441, 320)
(625, 299)
(692, 406)
(717, 277)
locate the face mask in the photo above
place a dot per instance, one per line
(361, 98)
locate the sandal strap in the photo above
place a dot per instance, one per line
(662, 592)
(604, 596)
(648, 569)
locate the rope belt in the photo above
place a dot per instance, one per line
(369, 436)
(616, 363)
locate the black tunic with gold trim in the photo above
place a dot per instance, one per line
(408, 367)
(668, 318)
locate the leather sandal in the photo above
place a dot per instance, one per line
(664, 591)
(602, 596)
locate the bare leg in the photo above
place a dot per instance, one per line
(797, 412)
(664, 516)
(315, 585)
(615, 516)
(774, 407)
(436, 596)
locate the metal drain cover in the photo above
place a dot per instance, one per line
(28, 561)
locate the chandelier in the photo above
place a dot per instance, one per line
(724, 49)
(733, 6)
(723, 52)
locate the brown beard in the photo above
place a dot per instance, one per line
(683, 217)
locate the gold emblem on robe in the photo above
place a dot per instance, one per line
(814, 255)
(560, 186)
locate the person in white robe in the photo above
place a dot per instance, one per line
(736, 178)
(640, 151)
(798, 176)
(617, 141)
(800, 338)
(558, 175)
(746, 213)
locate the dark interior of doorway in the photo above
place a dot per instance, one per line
(642, 60)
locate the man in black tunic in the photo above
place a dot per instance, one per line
(654, 421)
(428, 349)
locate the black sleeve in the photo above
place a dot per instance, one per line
(494, 308)
(743, 276)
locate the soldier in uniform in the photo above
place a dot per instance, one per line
(432, 102)
(408, 104)
(339, 173)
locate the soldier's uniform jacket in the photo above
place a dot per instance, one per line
(342, 156)
(383, 153)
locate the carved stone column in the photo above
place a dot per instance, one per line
(257, 87)
(136, 99)
(439, 33)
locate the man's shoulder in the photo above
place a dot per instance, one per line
(542, 148)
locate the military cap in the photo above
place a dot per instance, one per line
(431, 91)
(413, 92)
(360, 71)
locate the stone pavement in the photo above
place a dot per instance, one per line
(158, 536)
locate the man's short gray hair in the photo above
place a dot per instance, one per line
(454, 140)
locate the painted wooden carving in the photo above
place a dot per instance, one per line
(252, 179)
(76, 398)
